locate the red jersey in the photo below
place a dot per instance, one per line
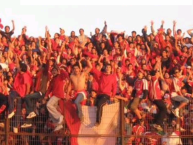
(20, 83)
(107, 83)
(140, 85)
(152, 139)
(138, 130)
(57, 84)
(176, 86)
(154, 89)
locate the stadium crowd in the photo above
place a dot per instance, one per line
(152, 73)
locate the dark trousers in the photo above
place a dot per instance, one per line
(162, 111)
(101, 100)
(3, 100)
(29, 101)
(12, 96)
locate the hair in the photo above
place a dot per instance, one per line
(153, 72)
(175, 69)
(119, 35)
(23, 67)
(81, 29)
(55, 67)
(179, 30)
(76, 65)
(133, 32)
(108, 65)
(104, 36)
(7, 27)
(97, 29)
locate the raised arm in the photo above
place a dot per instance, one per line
(145, 33)
(89, 68)
(190, 32)
(104, 31)
(13, 24)
(174, 28)
(152, 28)
(148, 49)
(162, 24)
(69, 88)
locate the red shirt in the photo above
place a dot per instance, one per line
(176, 86)
(20, 83)
(154, 89)
(38, 81)
(153, 140)
(138, 130)
(107, 83)
(56, 86)
(140, 86)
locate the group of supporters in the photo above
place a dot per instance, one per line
(152, 73)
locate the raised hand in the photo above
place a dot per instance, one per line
(152, 23)
(163, 22)
(174, 22)
(145, 28)
(46, 28)
(105, 23)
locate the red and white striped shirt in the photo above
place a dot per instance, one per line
(154, 89)
(140, 85)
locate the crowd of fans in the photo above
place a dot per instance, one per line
(152, 73)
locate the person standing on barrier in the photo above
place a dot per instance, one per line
(107, 90)
(21, 88)
(78, 81)
(176, 94)
(3, 97)
(56, 89)
(155, 96)
(140, 91)
(40, 90)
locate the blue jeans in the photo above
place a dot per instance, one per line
(28, 100)
(180, 99)
(77, 101)
(12, 96)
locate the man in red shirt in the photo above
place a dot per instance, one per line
(56, 89)
(138, 130)
(140, 92)
(3, 97)
(152, 137)
(107, 90)
(21, 87)
(156, 97)
(176, 94)
(40, 90)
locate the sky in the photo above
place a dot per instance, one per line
(73, 17)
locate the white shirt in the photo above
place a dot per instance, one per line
(4, 65)
(173, 139)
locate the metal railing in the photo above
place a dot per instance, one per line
(41, 133)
